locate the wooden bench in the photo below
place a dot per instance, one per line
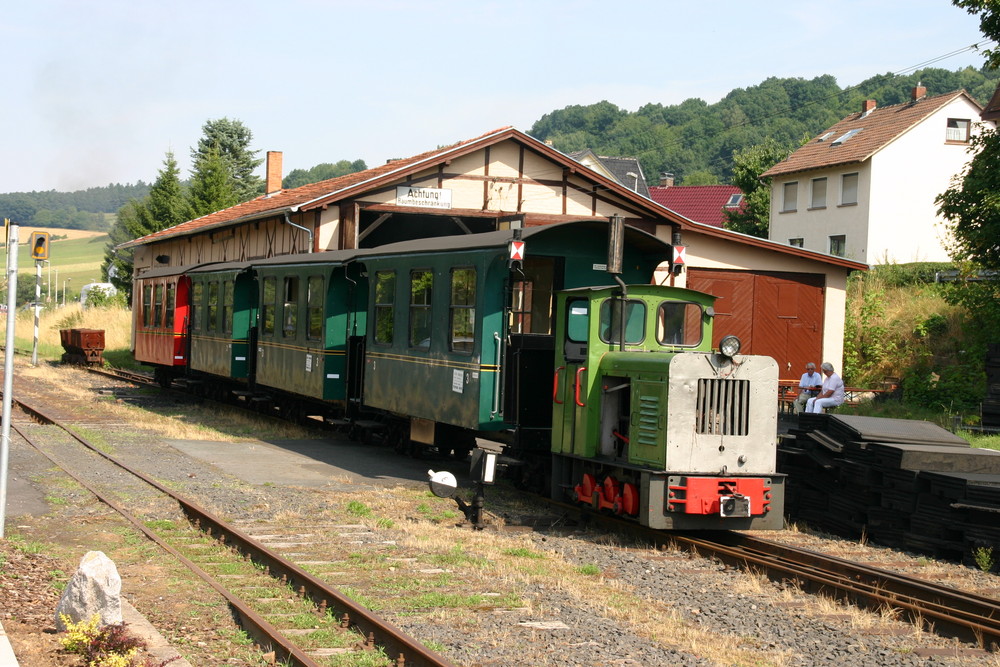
(788, 391)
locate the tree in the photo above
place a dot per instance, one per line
(972, 204)
(164, 206)
(231, 140)
(321, 172)
(212, 188)
(748, 164)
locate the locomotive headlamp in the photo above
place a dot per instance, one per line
(729, 346)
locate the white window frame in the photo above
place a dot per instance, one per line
(838, 240)
(797, 242)
(790, 195)
(956, 132)
(846, 198)
(818, 193)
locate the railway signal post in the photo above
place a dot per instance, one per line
(39, 253)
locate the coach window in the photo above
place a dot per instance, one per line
(385, 298)
(463, 310)
(678, 323)
(290, 314)
(227, 306)
(212, 323)
(168, 314)
(157, 306)
(147, 305)
(196, 292)
(314, 304)
(267, 306)
(421, 283)
(611, 321)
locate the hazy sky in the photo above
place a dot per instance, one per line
(98, 92)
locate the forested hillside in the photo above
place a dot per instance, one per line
(695, 140)
(92, 209)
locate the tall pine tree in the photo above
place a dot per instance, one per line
(164, 206)
(231, 140)
(212, 187)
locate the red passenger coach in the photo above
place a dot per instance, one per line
(161, 313)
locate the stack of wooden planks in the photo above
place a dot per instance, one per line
(902, 483)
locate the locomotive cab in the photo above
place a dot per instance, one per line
(649, 422)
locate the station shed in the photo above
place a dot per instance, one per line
(783, 301)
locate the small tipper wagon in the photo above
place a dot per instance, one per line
(83, 346)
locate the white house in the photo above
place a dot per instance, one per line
(864, 189)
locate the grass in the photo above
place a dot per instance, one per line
(73, 261)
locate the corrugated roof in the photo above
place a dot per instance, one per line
(875, 130)
(701, 203)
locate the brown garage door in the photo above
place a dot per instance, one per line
(775, 314)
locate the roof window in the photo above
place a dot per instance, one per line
(734, 200)
(825, 136)
(846, 135)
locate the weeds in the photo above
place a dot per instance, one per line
(984, 558)
(106, 646)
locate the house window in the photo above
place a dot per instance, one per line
(958, 130)
(385, 297)
(838, 245)
(795, 243)
(791, 194)
(421, 283)
(463, 310)
(818, 193)
(849, 189)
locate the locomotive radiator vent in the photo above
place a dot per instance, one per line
(723, 407)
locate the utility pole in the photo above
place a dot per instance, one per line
(8, 366)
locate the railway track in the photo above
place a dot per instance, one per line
(947, 611)
(966, 616)
(332, 608)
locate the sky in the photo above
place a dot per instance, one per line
(99, 92)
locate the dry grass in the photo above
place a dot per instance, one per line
(116, 323)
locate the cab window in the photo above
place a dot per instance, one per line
(679, 323)
(611, 321)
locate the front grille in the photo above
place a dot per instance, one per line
(723, 407)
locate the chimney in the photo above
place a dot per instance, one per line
(666, 179)
(867, 107)
(918, 92)
(273, 182)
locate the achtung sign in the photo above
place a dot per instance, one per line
(423, 197)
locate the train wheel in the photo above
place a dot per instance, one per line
(630, 499)
(585, 492)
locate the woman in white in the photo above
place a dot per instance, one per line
(833, 391)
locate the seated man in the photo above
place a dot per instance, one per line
(809, 386)
(832, 393)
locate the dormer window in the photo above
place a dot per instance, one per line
(958, 130)
(734, 200)
(846, 135)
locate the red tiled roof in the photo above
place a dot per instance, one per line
(701, 203)
(303, 197)
(876, 130)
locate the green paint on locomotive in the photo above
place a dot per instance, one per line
(599, 385)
